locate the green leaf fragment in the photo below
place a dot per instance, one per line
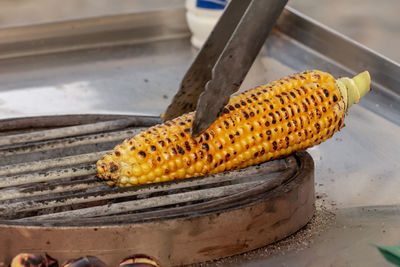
(391, 253)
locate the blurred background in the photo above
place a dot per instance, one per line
(375, 24)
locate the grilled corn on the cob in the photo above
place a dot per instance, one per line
(267, 122)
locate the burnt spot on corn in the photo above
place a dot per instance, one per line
(301, 122)
(278, 115)
(187, 146)
(321, 98)
(162, 143)
(153, 148)
(281, 99)
(231, 107)
(317, 126)
(142, 154)
(318, 113)
(158, 159)
(173, 151)
(113, 167)
(317, 76)
(117, 153)
(271, 115)
(205, 146)
(334, 98)
(226, 111)
(285, 113)
(180, 150)
(274, 145)
(209, 158)
(237, 105)
(226, 125)
(212, 133)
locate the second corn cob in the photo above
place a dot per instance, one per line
(267, 122)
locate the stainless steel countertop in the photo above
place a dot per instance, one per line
(357, 168)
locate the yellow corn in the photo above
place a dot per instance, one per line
(267, 122)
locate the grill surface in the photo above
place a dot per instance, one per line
(47, 181)
(48, 176)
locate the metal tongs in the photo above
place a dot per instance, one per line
(224, 60)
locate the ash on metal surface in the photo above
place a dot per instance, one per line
(322, 220)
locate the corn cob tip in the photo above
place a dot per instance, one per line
(363, 82)
(353, 89)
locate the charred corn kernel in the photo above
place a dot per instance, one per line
(267, 122)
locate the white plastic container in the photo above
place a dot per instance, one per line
(202, 15)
